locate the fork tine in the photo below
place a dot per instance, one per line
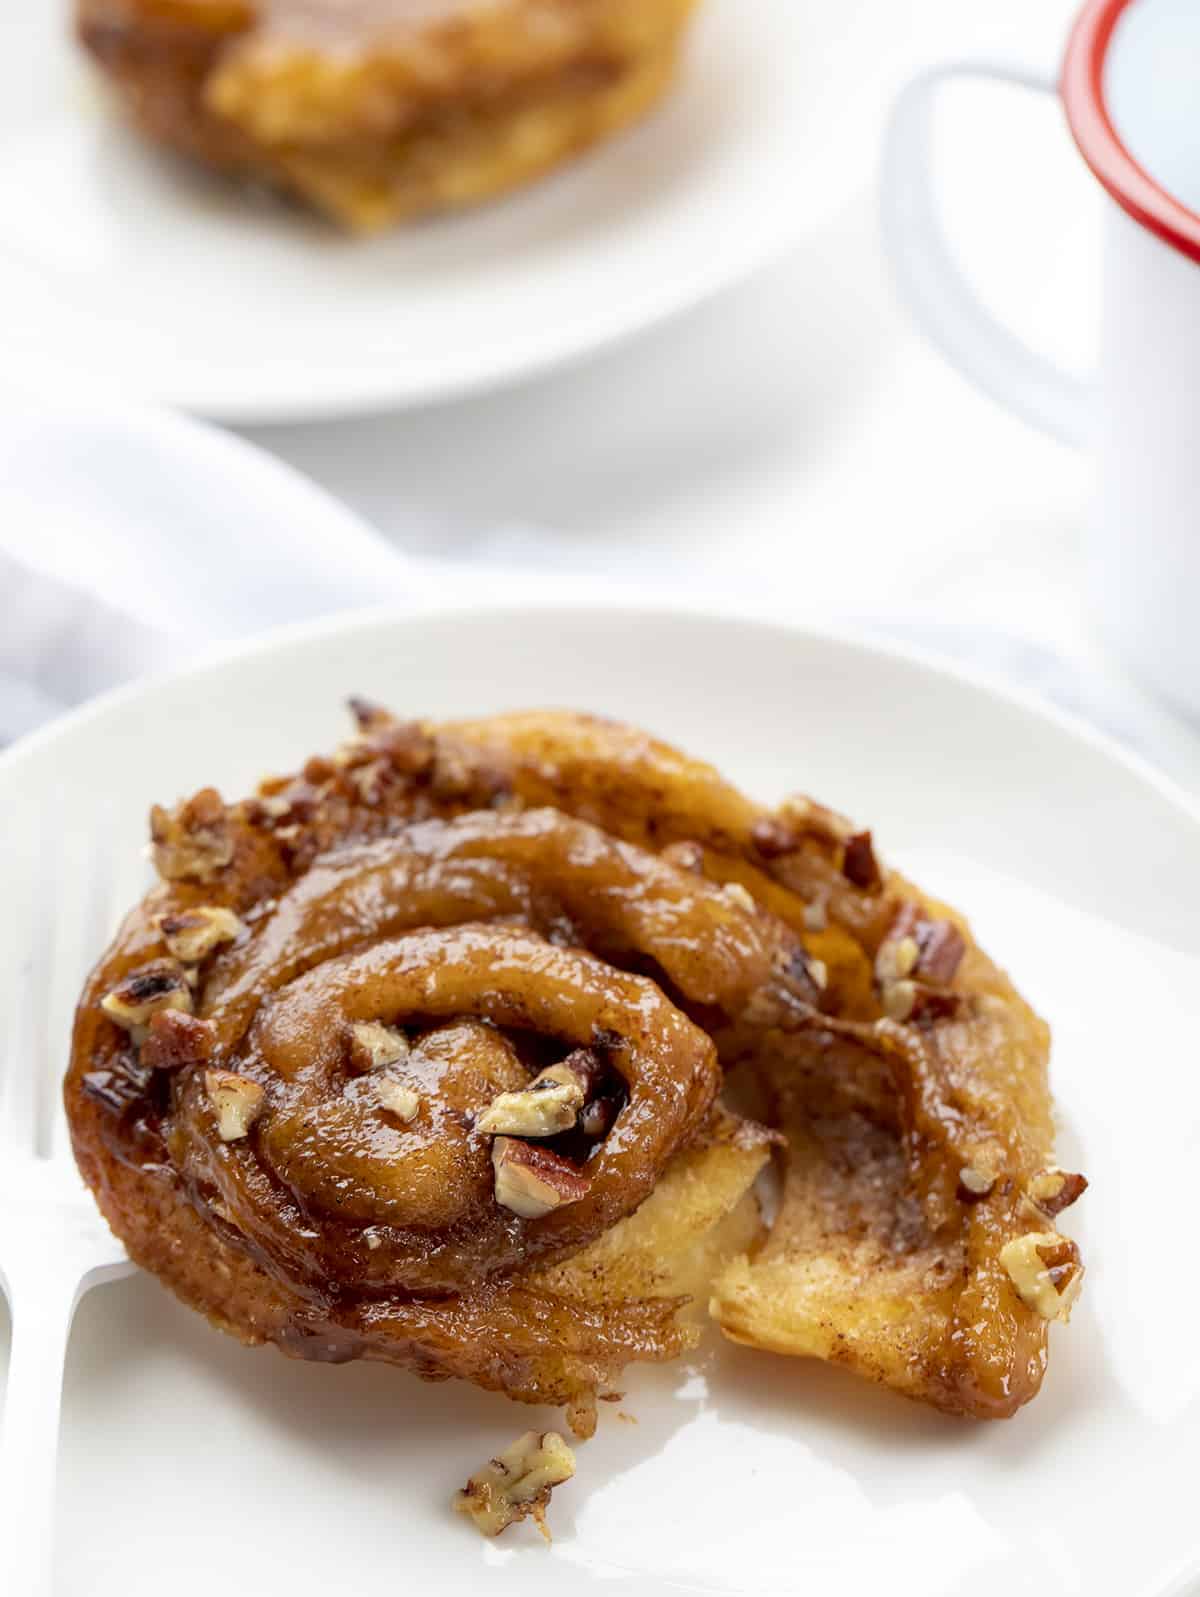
(68, 885)
(51, 913)
(88, 858)
(18, 1085)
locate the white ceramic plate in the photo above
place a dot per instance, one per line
(182, 289)
(191, 1464)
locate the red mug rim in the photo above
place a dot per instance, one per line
(1082, 88)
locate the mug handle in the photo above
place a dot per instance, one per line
(936, 293)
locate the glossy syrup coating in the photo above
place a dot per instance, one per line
(318, 1135)
(325, 956)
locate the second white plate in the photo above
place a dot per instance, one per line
(182, 289)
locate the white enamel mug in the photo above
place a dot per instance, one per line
(1130, 88)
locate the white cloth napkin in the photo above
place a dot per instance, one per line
(132, 541)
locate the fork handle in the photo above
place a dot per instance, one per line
(42, 1306)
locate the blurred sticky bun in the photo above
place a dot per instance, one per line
(372, 111)
(415, 1056)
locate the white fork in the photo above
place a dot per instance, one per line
(53, 1244)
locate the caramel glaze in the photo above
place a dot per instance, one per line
(326, 956)
(326, 1154)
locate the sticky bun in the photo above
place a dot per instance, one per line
(416, 1056)
(372, 111)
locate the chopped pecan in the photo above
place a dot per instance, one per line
(532, 1181)
(238, 1102)
(374, 1046)
(1060, 1256)
(192, 934)
(369, 717)
(549, 1104)
(194, 842)
(899, 1000)
(1052, 1190)
(1046, 1271)
(942, 948)
(397, 1098)
(896, 960)
(859, 865)
(916, 960)
(517, 1483)
(404, 746)
(161, 985)
(175, 1039)
(939, 944)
